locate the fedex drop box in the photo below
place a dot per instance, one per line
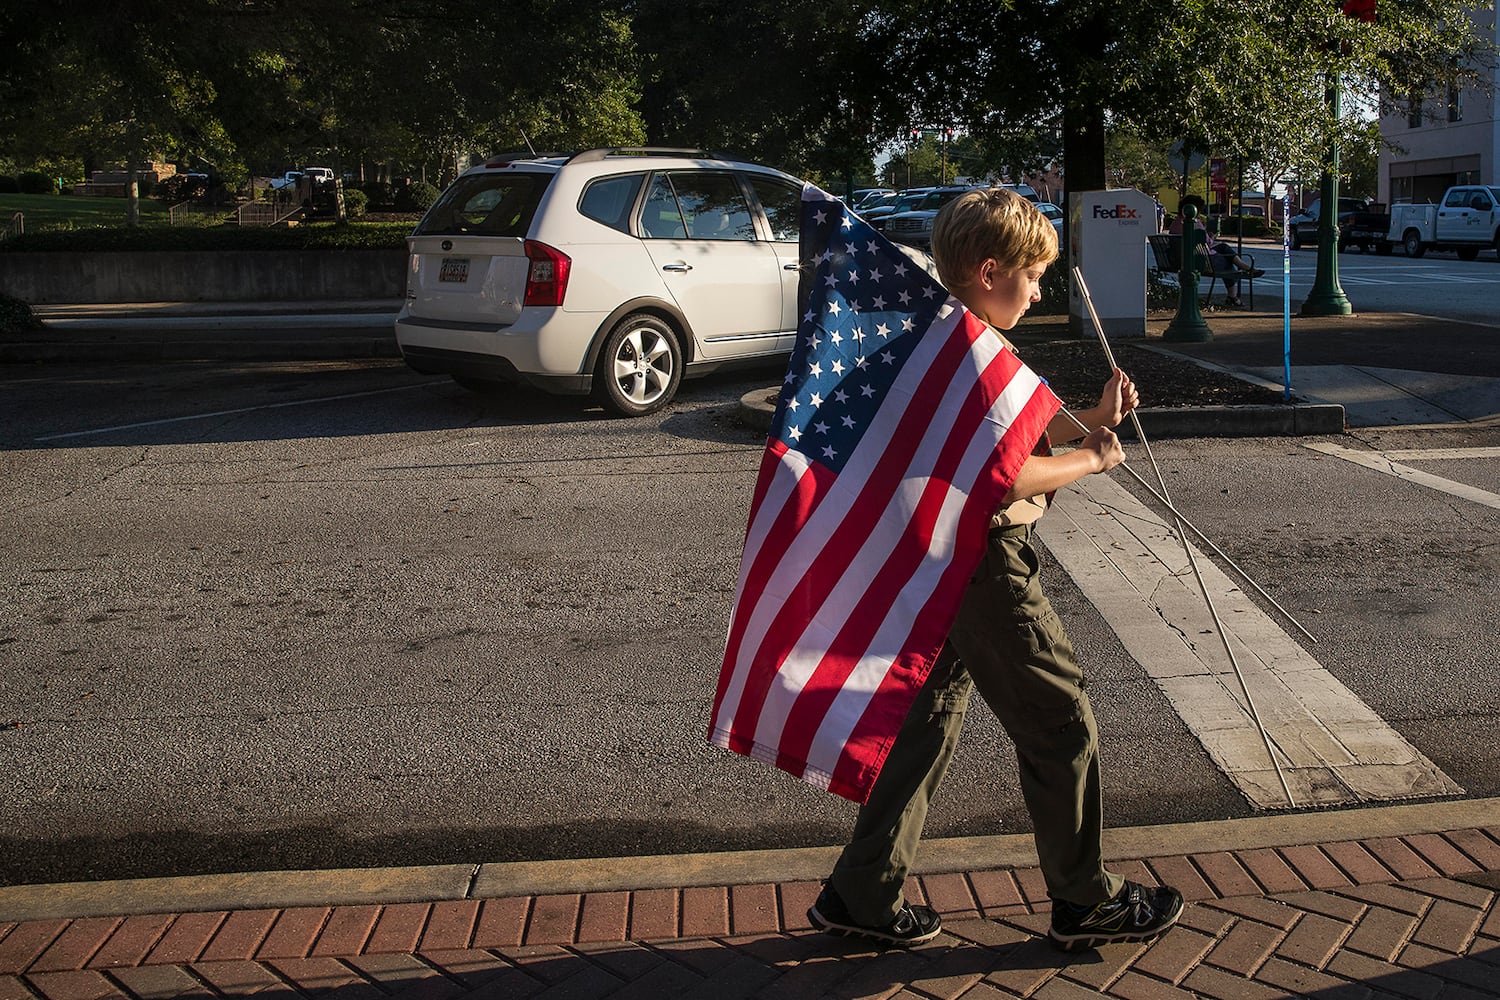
(1107, 233)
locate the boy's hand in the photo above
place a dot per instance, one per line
(1118, 399)
(1106, 446)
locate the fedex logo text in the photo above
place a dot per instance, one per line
(1118, 212)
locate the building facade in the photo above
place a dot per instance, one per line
(1443, 139)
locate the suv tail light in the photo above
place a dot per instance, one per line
(547, 280)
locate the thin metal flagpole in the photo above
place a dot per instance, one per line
(1187, 548)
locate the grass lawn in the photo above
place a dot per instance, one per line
(63, 211)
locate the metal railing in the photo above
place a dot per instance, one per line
(14, 226)
(267, 213)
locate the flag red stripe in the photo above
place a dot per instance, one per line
(871, 738)
(812, 590)
(804, 499)
(906, 557)
(770, 461)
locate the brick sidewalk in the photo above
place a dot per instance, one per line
(1409, 916)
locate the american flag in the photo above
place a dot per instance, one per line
(900, 427)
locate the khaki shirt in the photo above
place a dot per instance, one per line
(1030, 509)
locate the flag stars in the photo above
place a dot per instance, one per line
(887, 358)
(815, 370)
(874, 275)
(841, 396)
(929, 292)
(907, 326)
(848, 420)
(820, 427)
(833, 306)
(817, 401)
(866, 390)
(904, 297)
(871, 247)
(836, 338)
(883, 330)
(829, 453)
(879, 302)
(794, 432)
(860, 362)
(900, 270)
(848, 222)
(838, 367)
(854, 277)
(820, 216)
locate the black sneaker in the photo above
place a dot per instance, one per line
(1137, 913)
(913, 925)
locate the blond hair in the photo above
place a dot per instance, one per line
(992, 223)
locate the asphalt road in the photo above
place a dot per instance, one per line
(1438, 283)
(337, 614)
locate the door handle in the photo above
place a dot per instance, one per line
(791, 267)
(677, 267)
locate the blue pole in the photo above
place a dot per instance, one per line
(1286, 296)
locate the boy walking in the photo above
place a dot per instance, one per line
(991, 249)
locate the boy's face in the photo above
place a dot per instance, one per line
(1001, 297)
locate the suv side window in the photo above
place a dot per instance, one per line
(783, 206)
(610, 199)
(713, 206)
(661, 218)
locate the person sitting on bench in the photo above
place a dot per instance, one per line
(1222, 260)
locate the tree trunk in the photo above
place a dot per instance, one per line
(132, 195)
(1083, 146)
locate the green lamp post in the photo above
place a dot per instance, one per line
(1188, 325)
(1327, 298)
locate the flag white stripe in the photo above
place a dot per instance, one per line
(853, 698)
(812, 536)
(790, 469)
(869, 561)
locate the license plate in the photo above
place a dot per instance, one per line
(454, 269)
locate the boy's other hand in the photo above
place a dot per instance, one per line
(1117, 400)
(1106, 446)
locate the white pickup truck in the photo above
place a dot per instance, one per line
(1467, 221)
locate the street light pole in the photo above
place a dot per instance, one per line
(1327, 298)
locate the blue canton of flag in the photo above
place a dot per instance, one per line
(867, 303)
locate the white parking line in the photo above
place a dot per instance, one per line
(224, 413)
(1386, 463)
(1334, 749)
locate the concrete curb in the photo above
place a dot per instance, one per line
(438, 883)
(757, 407)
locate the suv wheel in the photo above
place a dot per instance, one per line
(640, 367)
(1411, 242)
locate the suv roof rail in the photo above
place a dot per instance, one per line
(511, 156)
(594, 155)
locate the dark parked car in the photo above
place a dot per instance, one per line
(1305, 225)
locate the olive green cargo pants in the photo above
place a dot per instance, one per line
(1008, 642)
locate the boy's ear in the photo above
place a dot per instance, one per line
(986, 274)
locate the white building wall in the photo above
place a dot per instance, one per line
(1438, 153)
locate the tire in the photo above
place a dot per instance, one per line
(1468, 253)
(1411, 242)
(1384, 248)
(640, 366)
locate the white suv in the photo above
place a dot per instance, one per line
(612, 271)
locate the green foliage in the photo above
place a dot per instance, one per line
(320, 236)
(355, 202)
(378, 193)
(16, 317)
(416, 197)
(35, 182)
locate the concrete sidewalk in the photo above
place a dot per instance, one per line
(1393, 901)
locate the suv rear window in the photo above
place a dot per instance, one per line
(488, 204)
